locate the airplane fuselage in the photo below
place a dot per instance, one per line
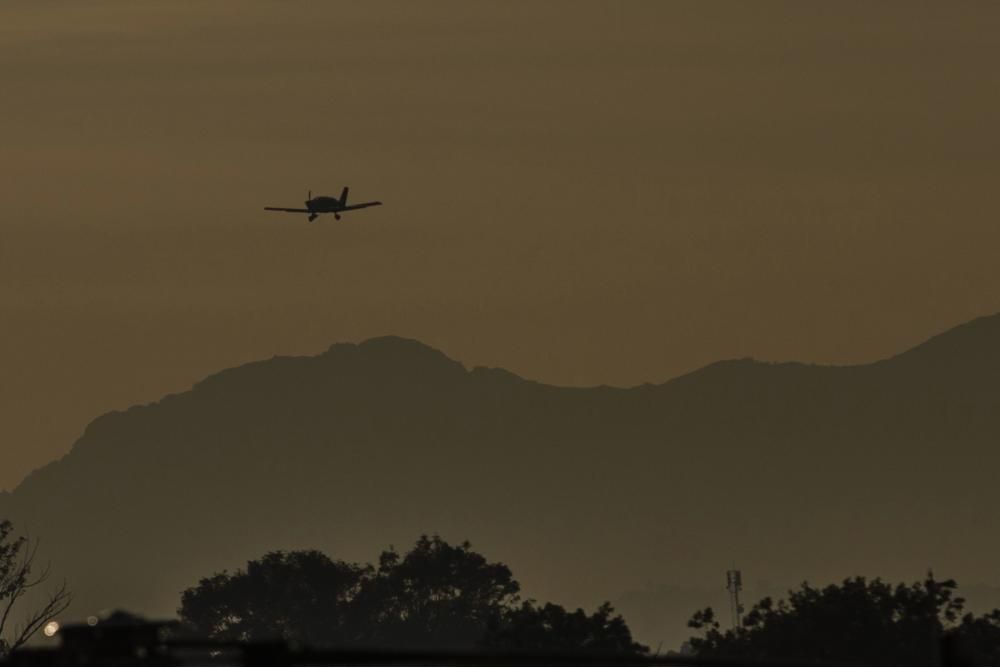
(324, 204)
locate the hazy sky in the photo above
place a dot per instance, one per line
(581, 192)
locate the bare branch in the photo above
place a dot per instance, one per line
(28, 561)
(58, 602)
(17, 575)
(12, 598)
(17, 559)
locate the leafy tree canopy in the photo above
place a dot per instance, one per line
(551, 627)
(300, 596)
(437, 595)
(859, 620)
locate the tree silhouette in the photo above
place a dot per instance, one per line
(302, 596)
(435, 596)
(977, 640)
(551, 628)
(17, 561)
(860, 620)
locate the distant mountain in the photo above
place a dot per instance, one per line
(791, 471)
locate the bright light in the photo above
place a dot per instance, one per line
(92, 621)
(51, 628)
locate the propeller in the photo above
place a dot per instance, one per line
(309, 197)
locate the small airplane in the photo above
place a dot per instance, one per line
(317, 205)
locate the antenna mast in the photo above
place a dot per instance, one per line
(734, 584)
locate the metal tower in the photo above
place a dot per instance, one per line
(734, 584)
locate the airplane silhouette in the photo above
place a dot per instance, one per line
(320, 204)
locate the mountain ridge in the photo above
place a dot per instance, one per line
(800, 470)
(932, 346)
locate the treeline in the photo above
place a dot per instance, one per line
(443, 596)
(860, 621)
(437, 595)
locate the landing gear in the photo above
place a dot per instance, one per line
(336, 216)
(312, 216)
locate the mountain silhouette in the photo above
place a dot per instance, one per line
(793, 471)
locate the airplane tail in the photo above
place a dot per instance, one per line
(343, 197)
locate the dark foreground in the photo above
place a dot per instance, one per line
(159, 645)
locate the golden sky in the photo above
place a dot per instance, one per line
(581, 192)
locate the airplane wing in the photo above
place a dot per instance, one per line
(364, 205)
(287, 210)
